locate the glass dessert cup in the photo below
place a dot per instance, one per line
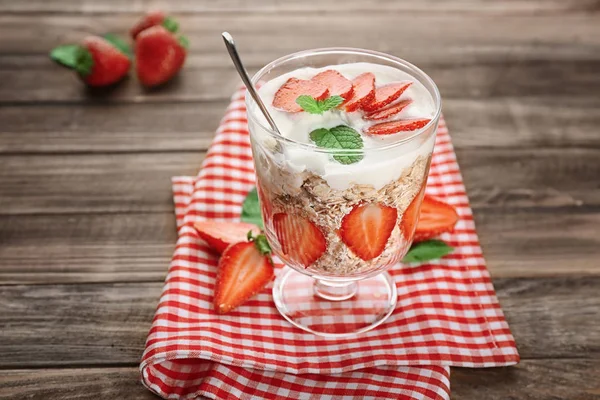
(326, 288)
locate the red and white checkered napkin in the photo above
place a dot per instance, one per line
(447, 311)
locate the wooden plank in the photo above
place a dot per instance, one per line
(505, 76)
(521, 56)
(531, 379)
(74, 384)
(135, 247)
(507, 122)
(96, 324)
(141, 182)
(272, 6)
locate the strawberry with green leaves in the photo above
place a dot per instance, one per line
(154, 18)
(245, 268)
(99, 61)
(159, 55)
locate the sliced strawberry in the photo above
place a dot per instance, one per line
(401, 125)
(285, 98)
(436, 217)
(364, 92)
(337, 84)
(159, 55)
(244, 269)
(367, 228)
(411, 215)
(301, 240)
(388, 112)
(386, 94)
(220, 235)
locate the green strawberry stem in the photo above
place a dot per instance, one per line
(75, 57)
(171, 24)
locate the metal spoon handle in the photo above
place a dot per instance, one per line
(235, 57)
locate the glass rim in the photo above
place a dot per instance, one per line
(415, 71)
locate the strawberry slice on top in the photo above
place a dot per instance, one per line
(285, 98)
(245, 268)
(300, 239)
(435, 218)
(389, 111)
(220, 235)
(337, 84)
(364, 92)
(367, 228)
(386, 94)
(401, 125)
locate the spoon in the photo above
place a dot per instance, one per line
(235, 57)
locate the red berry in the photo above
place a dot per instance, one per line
(244, 270)
(410, 217)
(152, 18)
(337, 84)
(159, 55)
(285, 98)
(220, 235)
(100, 63)
(367, 228)
(364, 92)
(435, 218)
(300, 239)
(389, 111)
(385, 95)
(401, 125)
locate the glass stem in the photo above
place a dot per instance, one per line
(335, 291)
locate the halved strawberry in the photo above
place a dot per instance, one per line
(153, 18)
(337, 84)
(367, 228)
(388, 112)
(244, 269)
(285, 98)
(364, 92)
(401, 125)
(409, 220)
(301, 240)
(436, 217)
(220, 235)
(386, 94)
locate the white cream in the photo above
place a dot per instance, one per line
(378, 167)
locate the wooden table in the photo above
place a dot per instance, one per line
(86, 216)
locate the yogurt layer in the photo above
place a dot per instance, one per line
(379, 166)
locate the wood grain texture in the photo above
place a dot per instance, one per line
(76, 183)
(99, 128)
(108, 323)
(531, 379)
(138, 247)
(274, 6)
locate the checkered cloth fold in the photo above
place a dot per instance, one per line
(447, 312)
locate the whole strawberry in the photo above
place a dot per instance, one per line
(99, 61)
(154, 18)
(159, 55)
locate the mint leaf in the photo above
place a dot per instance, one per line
(251, 209)
(119, 44)
(427, 251)
(314, 106)
(309, 104)
(330, 102)
(340, 137)
(66, 55)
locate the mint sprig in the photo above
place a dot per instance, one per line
(314, 106)
(427, 251)
(339, 137)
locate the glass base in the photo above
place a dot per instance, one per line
(334, 309)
